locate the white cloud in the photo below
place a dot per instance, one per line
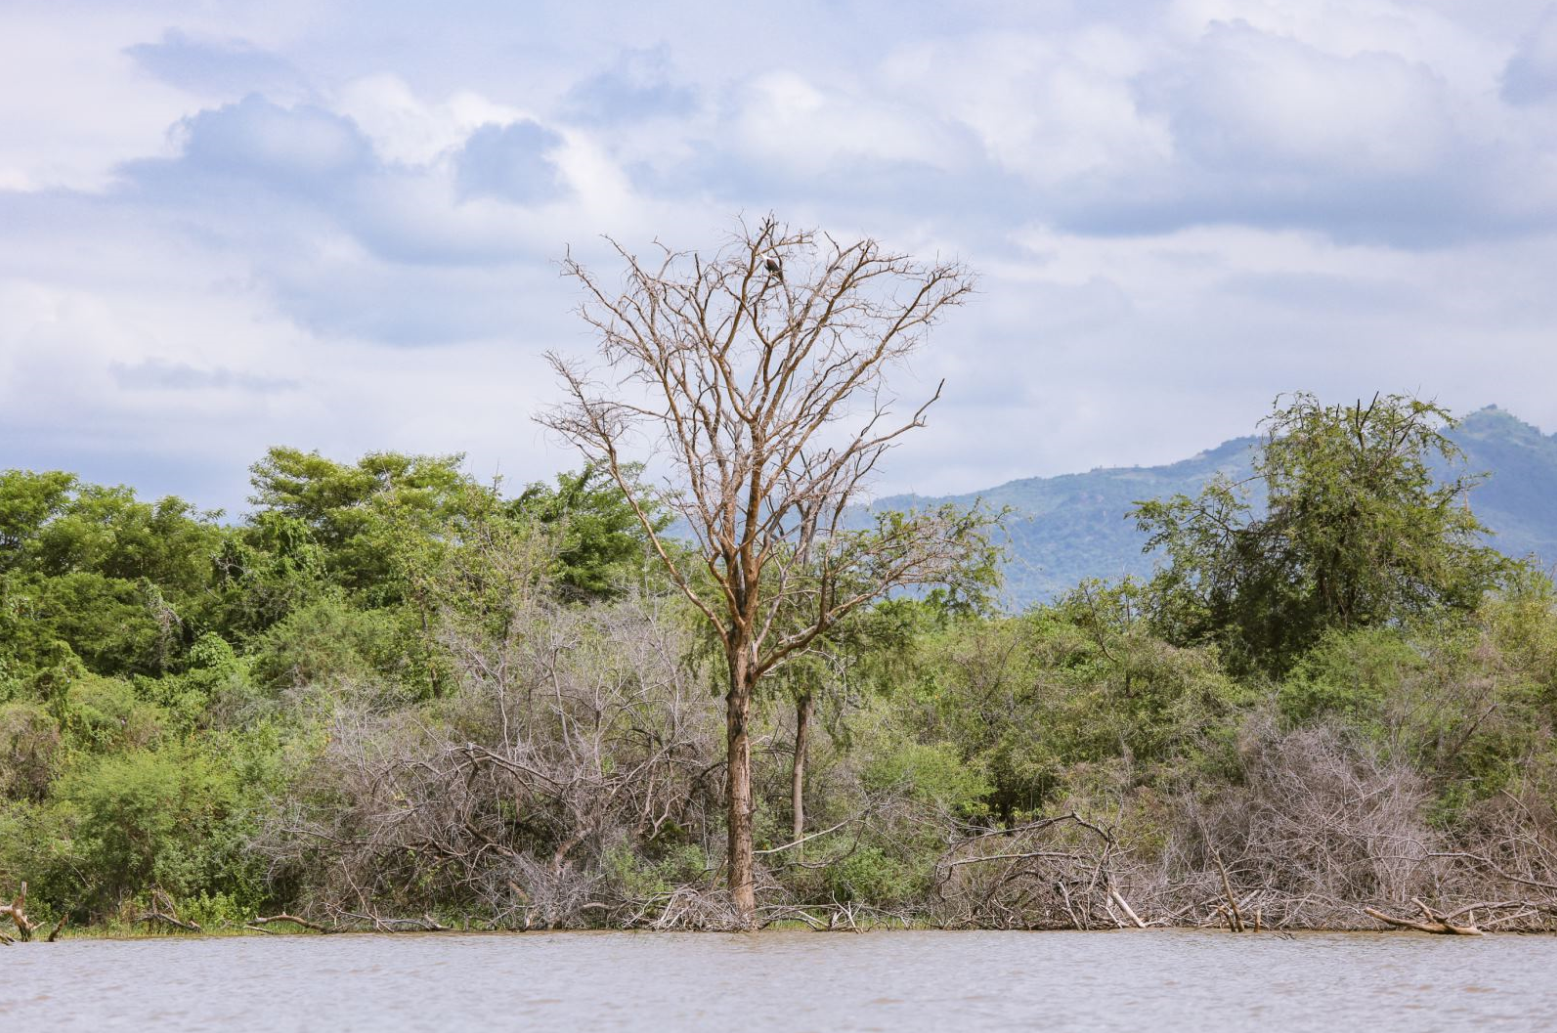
(408, 130)
(787, 122)
(1047, 109)
(335, 225)
(1249, 102)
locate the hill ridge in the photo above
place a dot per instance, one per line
(1072, 526)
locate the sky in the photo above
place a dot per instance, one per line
(337, 224)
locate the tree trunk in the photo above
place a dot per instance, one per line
(738, 784)
(798, 780)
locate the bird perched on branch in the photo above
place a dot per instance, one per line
(774, 269)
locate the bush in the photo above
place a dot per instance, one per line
(104, 714)
(870, 876)
(29, 751)
(149, 819)
(1351, 675)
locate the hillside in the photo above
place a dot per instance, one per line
(1073, 526)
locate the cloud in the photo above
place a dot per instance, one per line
(1273, 131)
(336, 224)
(1531, 74)
(162, 375)
(1248, 103)
(408, 129)
(255, 139)
(640, 85)
(215, 67)
(511, 162)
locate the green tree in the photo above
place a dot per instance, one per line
(364, 515)
(1356, 532)
(602, 543)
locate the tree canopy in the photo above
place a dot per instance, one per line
(1355, 531)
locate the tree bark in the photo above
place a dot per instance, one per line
(798, 778)
(738, 786)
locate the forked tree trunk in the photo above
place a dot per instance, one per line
(738, 785)
(798, 778)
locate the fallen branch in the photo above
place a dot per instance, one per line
(162, 910)
(16, 911)
(284, 917)
(173, 920)
(1126, 908)
(1435, 923)
(1234, 916)
(806, 839)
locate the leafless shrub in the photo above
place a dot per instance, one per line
(1319, 825)
(1053, 873)
(574, 731)
(1505, 857)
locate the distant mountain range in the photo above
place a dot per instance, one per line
(1067, 528)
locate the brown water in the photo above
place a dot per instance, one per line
(1153, 981)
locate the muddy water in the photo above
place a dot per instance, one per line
(788, 981)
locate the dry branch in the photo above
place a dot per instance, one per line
(16, 911)
(295, 920)
(1433, 923)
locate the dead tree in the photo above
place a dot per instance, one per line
(763, 400)
(16, 911)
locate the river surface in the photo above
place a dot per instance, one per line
(897, 981)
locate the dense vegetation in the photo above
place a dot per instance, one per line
(393, 696)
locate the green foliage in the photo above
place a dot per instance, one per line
(103, 715)
(1357, 532)
(640, 877)
(328, 639)
(870, 875)
(602, 544)
(1351, 675)
(153, 818)
(931, 772)
(374, 520)
(30, 751)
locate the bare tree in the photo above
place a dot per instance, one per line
(756, 375)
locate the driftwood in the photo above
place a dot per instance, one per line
(1234, 916)
(1124, 905)
(284, 917)
(16, 911)
(162, 910)
(1435, 923)
(164, 917)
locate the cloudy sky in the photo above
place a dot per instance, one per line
(337, 224)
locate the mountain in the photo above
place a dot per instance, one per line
(1074, 526)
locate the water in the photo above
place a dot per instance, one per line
(897, 981)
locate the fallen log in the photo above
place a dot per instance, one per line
(1435, 923)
